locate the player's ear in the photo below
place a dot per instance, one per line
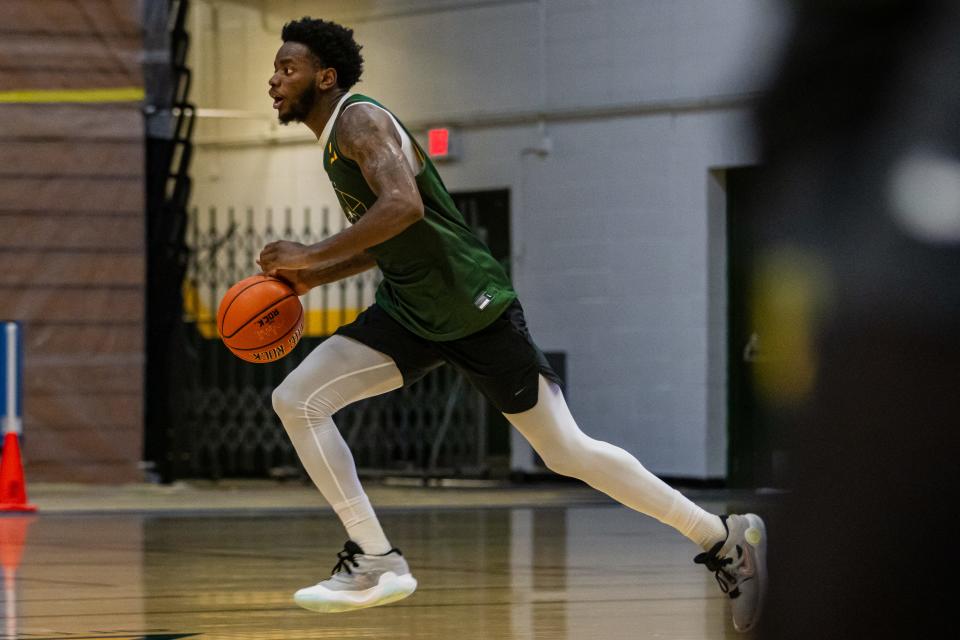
(326, 78)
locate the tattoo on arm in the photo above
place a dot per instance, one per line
(367, 136)
(359, 263)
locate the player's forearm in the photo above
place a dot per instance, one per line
(320, 275)
(387, 218)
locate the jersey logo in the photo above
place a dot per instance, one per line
(352, 207)
(333, 154)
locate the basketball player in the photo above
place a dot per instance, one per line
(443, 298)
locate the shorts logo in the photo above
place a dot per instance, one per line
(483, 301)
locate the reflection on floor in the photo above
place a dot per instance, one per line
(584, 572)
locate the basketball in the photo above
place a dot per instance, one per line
(260, 319)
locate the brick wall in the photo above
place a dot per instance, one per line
(72, 232)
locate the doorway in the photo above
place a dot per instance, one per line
(488, 214)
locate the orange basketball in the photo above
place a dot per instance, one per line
(260, 319)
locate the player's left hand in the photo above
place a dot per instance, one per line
(283, 254)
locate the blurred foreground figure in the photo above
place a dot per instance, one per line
(862, 281)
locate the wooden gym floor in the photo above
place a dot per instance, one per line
(534, 569)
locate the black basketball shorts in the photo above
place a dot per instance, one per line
(500, 360)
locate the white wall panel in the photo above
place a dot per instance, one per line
(616, 257)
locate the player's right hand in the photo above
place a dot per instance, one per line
(283, 254)
(293, 277)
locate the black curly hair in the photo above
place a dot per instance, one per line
(332, 44)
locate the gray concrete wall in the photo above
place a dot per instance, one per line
(618, 229)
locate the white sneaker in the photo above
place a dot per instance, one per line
(359, 581)
(740, 565)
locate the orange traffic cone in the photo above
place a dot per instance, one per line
(13, 488)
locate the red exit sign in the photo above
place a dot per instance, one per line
(442, 143)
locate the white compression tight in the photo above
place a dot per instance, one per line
(565, 449)
(338, 372)
(341, 371)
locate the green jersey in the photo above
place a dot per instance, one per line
(439, 280)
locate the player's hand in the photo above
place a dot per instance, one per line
(283, 254)
(294, 277)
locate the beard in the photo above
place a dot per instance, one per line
(300, 108)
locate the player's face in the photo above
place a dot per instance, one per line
(293, 84)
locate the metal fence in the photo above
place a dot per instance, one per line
(227, 426)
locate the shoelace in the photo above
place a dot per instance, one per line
(718, 565)
(346, 557)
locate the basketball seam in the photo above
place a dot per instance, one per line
(256, 315)
(299, 321)
(237, 295)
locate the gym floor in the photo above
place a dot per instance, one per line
(221, 561)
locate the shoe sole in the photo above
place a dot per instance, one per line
(391, 588)
(760, 569)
